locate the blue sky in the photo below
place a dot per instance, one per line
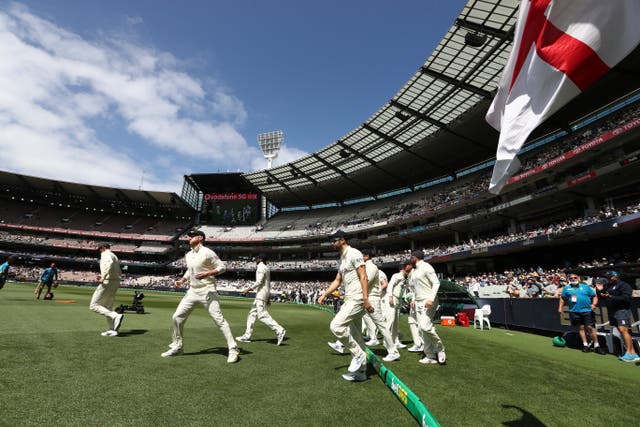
(130, 93)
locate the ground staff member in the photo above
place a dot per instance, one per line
(425, 284)
(105, 293)
(202, 266)
(48, 278)
(582, 301)
(617, 297)
(347, 322)
(262, 286)
(4, 271)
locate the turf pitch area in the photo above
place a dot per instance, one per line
(56, 369)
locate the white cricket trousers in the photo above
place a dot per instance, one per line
(259, 311)
(412, 320)
(102, 301)
(211, 302)
(376, 319)
(393, 323)
(431, 339)
(346, 327)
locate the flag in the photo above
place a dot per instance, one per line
(560, 48)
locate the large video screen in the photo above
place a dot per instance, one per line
(230, 208)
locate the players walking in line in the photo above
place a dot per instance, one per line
(48, 278)
(203, 265)
(347, 322)
(258, 310)
(376, 317)
(108, 284)
(424, 282)
(395, 294)
(4, 271)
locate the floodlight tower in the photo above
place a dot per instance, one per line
(270, 143)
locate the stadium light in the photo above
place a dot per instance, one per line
(270, 143)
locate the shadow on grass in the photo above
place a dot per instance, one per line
(527, 419)
(273, 341)
(132, 332)
(216, 350)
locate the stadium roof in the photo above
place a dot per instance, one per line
(88, 192)
(434, 126)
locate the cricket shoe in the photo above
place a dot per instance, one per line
(391, 357)
(109, 333)
(358, 362)
(428, 361)
(117, 322)
(337, 346)
(243, 339)
(233, 355)
(399, 345)
(172, 352)
(372, 342)
(442, 357)
(360, 375)
(600, 350)
(281, 335)
(416, 349)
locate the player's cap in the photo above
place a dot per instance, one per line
(196, 232)
(367, 252)
(262, 256)
(404, 263)
(612, 274)
(105, 245)
(418, 254)
(338, 235)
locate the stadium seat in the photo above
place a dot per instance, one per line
(481, 315)
(612, 338)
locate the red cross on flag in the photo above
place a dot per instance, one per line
(560, 48)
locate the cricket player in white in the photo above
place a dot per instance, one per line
(368, 325)
(105, 293)
(258, 310)
(376, 317)
(425, 284)
(395, 293)
(347, 322)
(202, 266)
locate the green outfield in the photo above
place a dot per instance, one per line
(57, 370)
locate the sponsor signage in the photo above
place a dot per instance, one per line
(230, 196)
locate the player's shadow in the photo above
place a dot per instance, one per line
(527, 419)
(216, 350)
(273, 341)
(132, 332)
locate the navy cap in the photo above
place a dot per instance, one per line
(338, 235)
(367, 252)
(196, 232)
(612, 274)
(418, 254)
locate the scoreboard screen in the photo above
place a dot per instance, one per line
(230, 208)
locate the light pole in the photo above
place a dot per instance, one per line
(269, 143)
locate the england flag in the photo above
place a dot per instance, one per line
(560, 48)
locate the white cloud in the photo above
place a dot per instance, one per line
(55, 86)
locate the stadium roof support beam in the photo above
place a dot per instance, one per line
(408, 149)
(457, 83)
(286, 187)
(439, 124)
(479, 28)
(344, 175)
(375, 164)
(312, 180)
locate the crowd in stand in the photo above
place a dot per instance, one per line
(454, 193)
